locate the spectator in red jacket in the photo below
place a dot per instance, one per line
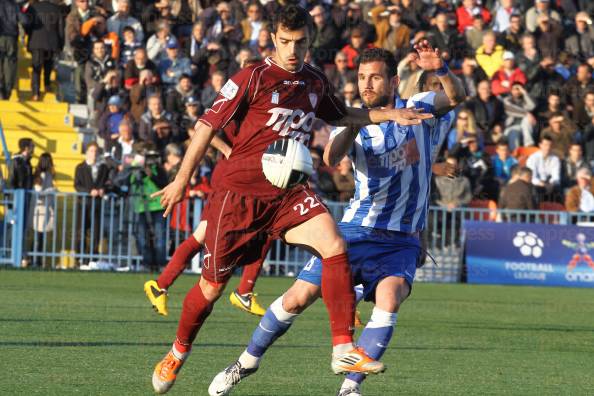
(466, 12)
(508, 75)
(355, 47)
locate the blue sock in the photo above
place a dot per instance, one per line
(275, 323)
(375, 337)
(358, 294)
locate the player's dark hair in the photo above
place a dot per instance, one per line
(292, 17)
(129, 29)
(502, 142)
(546, 137)
(380, 55)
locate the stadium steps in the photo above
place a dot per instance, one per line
(48, 122)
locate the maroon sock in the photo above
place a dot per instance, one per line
(182, 255)
(339, 297)
(249, 276)
(196, 309)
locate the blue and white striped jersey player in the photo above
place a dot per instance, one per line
(393, 165)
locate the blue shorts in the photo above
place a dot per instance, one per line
(374, 255)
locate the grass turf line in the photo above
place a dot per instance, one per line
(94, 333)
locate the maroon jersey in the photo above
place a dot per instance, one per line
(229, 131)
(268, 102)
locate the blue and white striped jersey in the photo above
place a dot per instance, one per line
(392, 166)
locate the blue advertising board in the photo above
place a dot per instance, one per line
(529, 254)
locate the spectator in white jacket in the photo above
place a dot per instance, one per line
(156, 46)
(546, 170)
(118, 21)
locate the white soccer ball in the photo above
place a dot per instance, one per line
(529, 244)
(286, 163)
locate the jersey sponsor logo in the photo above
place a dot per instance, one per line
(295, 124)
(296, 82)
(229, 90)
(313, 99)
(398, 159)
(275, 97)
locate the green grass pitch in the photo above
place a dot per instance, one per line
(94, 334)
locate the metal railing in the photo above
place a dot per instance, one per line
(73, 230)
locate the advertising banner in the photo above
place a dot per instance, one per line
(529, 254)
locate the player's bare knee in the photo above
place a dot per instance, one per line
(389, 306)
(300, 296)
(211, 291)
(293, 304)
(334, 247)
(391, 293)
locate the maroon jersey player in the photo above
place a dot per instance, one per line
(279, 97)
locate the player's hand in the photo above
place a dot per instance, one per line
(170, 195)
(427, 58)
(408, 116)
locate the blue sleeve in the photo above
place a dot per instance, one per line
(423, 100)
(452, 138)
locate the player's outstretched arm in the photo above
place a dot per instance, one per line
(358, 117)
(340, 144)
(174, 191)
(453, 94)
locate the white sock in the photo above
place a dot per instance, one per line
(248, 361)
(279, 311)
(341, 349)
(381, 318)
(178, 354)
(349, 383)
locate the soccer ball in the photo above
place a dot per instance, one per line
(286, 163)
(529, 244)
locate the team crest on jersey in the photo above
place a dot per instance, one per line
(313, 99)
(275, 98)
(229, 90)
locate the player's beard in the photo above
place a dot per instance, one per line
(376, 101)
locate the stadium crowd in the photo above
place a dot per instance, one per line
(148, 69)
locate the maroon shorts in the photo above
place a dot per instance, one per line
(239, 227)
